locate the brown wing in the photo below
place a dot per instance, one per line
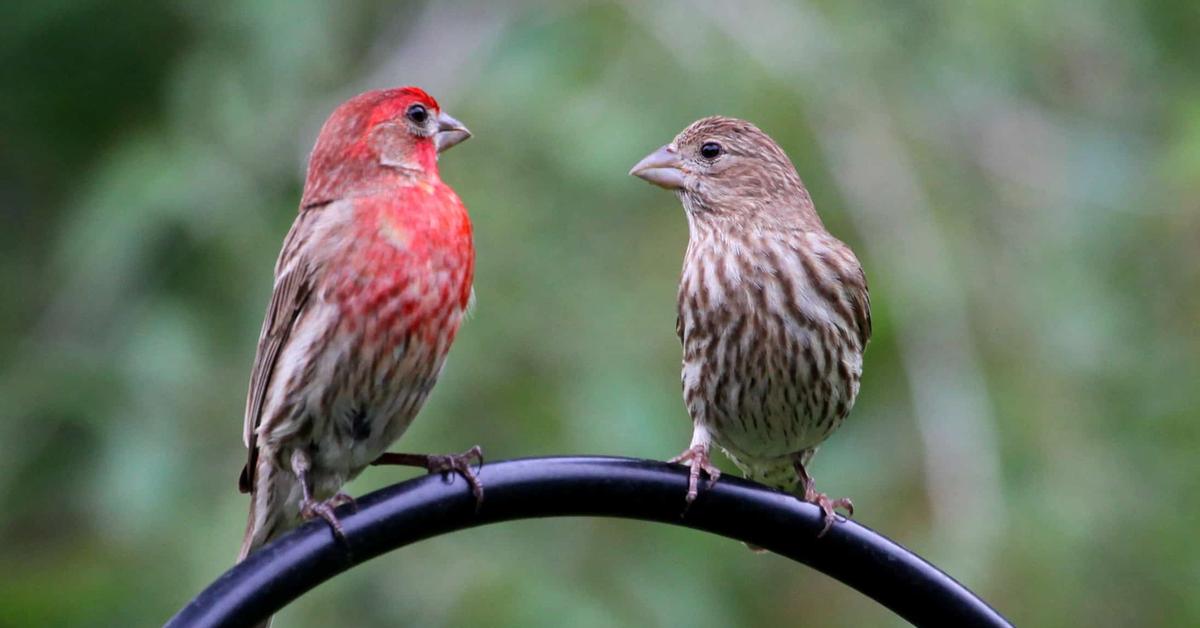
(861, 299)
(855, 299)
(293, 285)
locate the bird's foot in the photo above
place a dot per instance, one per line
(460, 464)
(696, 457)
(446, 463)
(828, 507)
(311, 509)
(341, 499)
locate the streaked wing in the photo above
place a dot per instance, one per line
(293, 285)
(854, 287)
(855, 298)
(862, 308)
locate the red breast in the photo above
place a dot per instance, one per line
(412, 264)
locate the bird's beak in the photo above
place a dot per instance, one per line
(449, 133)
(662, 168)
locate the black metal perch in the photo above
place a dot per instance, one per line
(586, 486)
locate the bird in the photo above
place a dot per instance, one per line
(773, 311)
(371, 286)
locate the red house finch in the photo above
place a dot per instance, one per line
(370, 288)
(773, 310)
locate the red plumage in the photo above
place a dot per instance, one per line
(370, 289)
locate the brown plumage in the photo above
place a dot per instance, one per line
(774, 313)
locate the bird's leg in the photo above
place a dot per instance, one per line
(822, 501)
(457, 463)
(309, 507)
(696, 457)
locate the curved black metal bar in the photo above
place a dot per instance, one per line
(590, 486)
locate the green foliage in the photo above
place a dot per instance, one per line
(1019, 179)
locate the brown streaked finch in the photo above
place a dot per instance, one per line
(773, 310)
(370, 288)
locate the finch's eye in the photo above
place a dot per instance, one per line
(710, 150)
(417, 113)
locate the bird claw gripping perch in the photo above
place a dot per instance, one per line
(696, 457)
(311, 509)
(444, 464)
(821, 500)
(828, 508)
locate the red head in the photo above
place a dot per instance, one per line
(377, 134)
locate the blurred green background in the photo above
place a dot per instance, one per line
(1018, 177)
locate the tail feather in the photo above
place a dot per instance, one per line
(262, 524)
(258, 533)
(264, 521)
